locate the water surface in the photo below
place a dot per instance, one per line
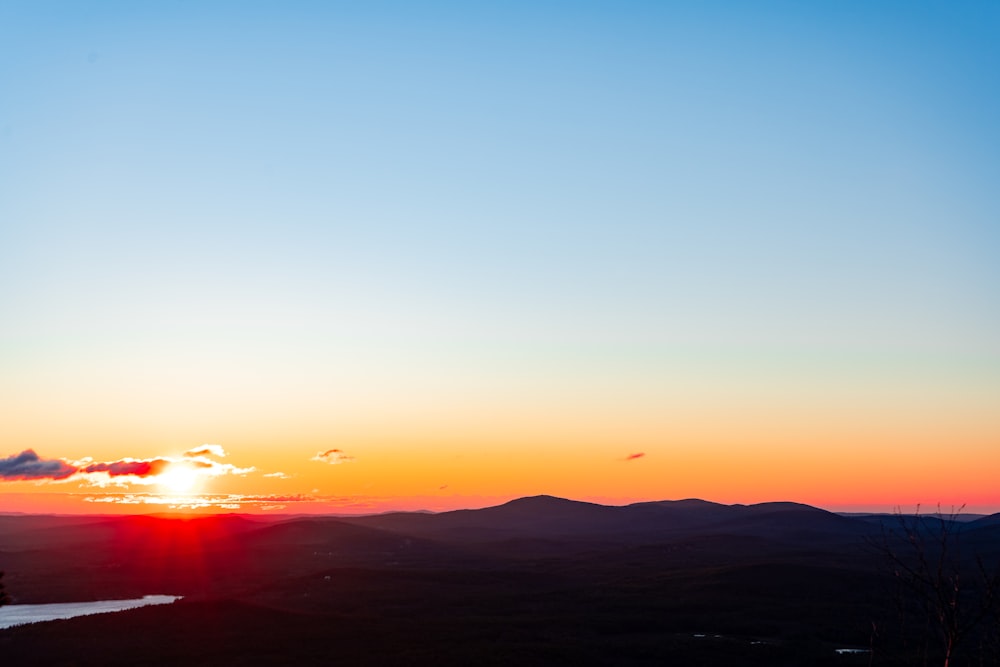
(17, 614)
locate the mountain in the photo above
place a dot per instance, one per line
(535, 581)
(991, 521)
(551, 518)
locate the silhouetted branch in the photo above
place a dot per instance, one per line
(954, 597)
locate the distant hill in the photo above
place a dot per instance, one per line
(989, 521)
(548, 517)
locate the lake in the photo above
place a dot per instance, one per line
(18, 614)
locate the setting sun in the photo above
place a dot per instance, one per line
(178, 478)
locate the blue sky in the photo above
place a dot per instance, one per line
(439, 187)
(823, 168)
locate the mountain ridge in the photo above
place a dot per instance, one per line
(552, 517)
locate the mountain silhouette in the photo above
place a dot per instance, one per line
(549, 517)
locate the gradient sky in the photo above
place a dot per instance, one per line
(502, 249)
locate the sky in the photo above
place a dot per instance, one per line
(344, 257)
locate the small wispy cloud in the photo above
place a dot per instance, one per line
(221, 501)
(229, 469)
(333, 457)
(277, 475)
(198, 457)
(633, 457)
(207, 450)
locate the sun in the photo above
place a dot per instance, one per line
(178, 479)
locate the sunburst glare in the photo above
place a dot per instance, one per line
(178, 479)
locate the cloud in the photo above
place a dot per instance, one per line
(277, 475)
(28, 465)
(207, 450)
(223, 501)
(135, 467)
(229, 469)
(124, 472)
(333, 457)
(633, 457)
(198, 458)
(214, 469)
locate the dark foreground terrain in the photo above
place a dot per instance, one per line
(538, 581)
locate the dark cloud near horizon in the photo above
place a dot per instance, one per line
(28, 465)
(637, 455)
